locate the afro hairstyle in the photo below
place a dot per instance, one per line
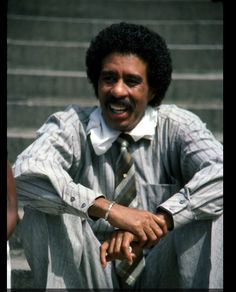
(128, 38)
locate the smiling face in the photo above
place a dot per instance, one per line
(123, 90)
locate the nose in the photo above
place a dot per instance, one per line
(119, 89)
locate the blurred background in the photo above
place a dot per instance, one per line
(46, 46)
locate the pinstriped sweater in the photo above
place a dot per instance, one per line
(180, 169)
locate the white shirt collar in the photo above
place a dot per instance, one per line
(102, 136)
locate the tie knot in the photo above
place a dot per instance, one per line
(124, 140)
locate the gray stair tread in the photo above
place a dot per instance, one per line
(21, 274)
(84, 102)
(36, 55)
(152, 9)
(78, 29)
(41, 108)
(218, 75)
(23, 111)
(18, 260)
(31, 133)
(16, 144)
(69, 84)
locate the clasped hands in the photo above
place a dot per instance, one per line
(137, 229)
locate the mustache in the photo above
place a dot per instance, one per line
(121, 102)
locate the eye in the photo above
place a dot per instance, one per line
(132, 81)
(108, 78)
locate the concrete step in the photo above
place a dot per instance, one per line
(196, 87)
(16, 144)
(46, 55)
(212, 114)
(71, 56)
(68, 29)
(197, 59)
(152, 9)
(21, 275)
(19, 136)
(28, 83)
(43, 83)
(23, 114)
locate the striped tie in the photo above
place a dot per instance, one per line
(125, 194)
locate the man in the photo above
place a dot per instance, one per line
(67, 179)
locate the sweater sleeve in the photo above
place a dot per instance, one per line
(43, 171)
(196, 159)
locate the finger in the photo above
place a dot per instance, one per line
(159, 228)
(126, 247)
(141, 237)
(152, 233)
(111, 246)
(114, 250)
(103, 252)
(117, 247)
(161, 223)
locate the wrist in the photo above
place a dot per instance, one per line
(108, 210)
(100, 208)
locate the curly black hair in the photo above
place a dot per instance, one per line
(129, 38)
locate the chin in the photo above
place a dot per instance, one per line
(122, 128)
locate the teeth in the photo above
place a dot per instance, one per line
(117, 108)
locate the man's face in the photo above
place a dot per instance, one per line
(123, 90)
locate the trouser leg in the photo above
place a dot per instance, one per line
(63, 252)
(216, 274)
(161, 269)
(188, 257)
(34, 236)
(199, 248)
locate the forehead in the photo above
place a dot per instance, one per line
(128, 63)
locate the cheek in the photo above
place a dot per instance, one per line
(103, 91)
(140, 109)
(143, 100)
(101, 94)
(100, 89)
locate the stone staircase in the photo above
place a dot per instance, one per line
(46, 44)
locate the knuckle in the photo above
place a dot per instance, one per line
(137, 224)
(115, 254)
(154, 237)
(162, 222)
(124, 246)
(143, 239)
(116, 251)
(161, 233)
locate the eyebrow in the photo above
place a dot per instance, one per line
(129, 75)
(107, 72)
